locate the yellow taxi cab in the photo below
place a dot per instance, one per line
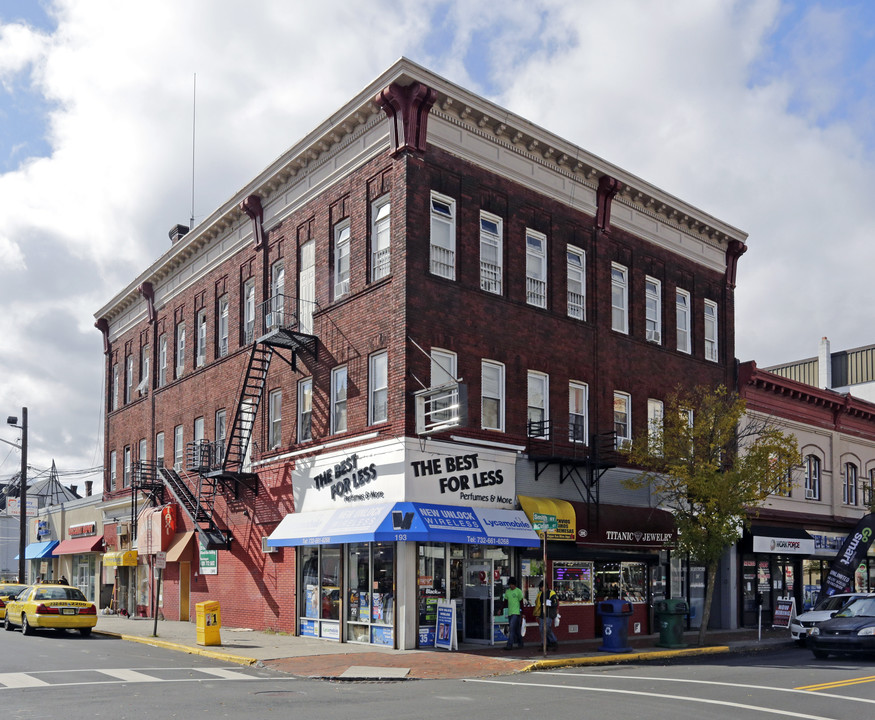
(50, 606)
(7, 592)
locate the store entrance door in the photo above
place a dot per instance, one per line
(478, 600)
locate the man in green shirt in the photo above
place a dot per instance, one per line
(513, 596)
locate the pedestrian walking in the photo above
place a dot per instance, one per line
(513, 596)
(546, 615)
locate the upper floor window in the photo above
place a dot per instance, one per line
(538, 397)
(275, 421)
(443, 372)
(115, 384)
(162, 360)
(248, 312)
(849, 487)
(443, 236)
(378, 388)
(492, 395)
(682, 310)
(178, 448)
(201, 357)
(655, 412)
(869, 490)
(222, 329)
(653, 310)
(578, 410)
(812, 477)
(338, 399)
(305, 409)
(536, 269)
(277, 296)
(622, 418)
(711, 330)
(180, 349)
(129, 378)
(113, 470)
(490, 253)
(220, 434)
(126, 468)
(576, 269)
(142, 454)
(341, 259)
(381, 238)
(145, 368)
(159, 449)
(619, 298)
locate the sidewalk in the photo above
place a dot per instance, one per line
(309, 657)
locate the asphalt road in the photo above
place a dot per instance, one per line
(65, 676)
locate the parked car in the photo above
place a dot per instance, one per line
(824, 610)
(7, 591)
(59, 607)
(851, 630)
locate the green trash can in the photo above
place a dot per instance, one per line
(671, 620)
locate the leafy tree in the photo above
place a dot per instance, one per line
(712, 465)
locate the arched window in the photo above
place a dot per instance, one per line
(849, 487)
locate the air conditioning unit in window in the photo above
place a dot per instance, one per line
(810, 495)
(265, 548)
(654, 336)
(270, 321)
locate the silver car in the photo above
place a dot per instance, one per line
(824, 610)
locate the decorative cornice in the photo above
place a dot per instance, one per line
(251, 205)
(608, 187)
(103, 325)
(148, 292)
(407, 108)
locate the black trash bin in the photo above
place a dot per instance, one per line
(671, 620)
(615, 625)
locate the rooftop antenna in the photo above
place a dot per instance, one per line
(193, 118)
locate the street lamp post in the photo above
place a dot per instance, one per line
(22, 495)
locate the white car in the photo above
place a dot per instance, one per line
(824, 610)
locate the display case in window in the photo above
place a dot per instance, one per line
(634, 582)
(573, 581)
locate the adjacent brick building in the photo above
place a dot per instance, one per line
(427, 321)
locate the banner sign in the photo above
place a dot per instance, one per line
(841, 571)
(785, 611)
(445, 633)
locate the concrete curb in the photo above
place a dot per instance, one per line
(626, 657)
(156, 642)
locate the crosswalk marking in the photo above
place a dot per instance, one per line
(67, 678)
(20, 680)
(226, 674)
(129, 675)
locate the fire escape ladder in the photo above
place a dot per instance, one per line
(144, 481)
(198, 503)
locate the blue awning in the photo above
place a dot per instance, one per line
(387, 522)
(35, 551)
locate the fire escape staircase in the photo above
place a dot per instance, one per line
(196, 498)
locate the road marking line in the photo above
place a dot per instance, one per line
(226, 674)
(20, 680)
(130, 675)
(684, 698)
(837, 684)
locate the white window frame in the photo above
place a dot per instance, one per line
(492, 389)
(145, 367)
(277, 296)
(339, 399)
(536, 268)
(849, 483)
(624, 407)
(129, 379)
(126, 467)
(575, 261)
(381, 238)
(113, 469)
(378, 388)
(201, 328)
(341, 259)
(249, 311)
(162, 360)
(275, 419)
(221, 430)
(655, 417)
(813, 473)
(442, 257)
(620, 298)
(180, 349)
(115, 386)
(711, 331)
(143, 451)
(442, 372)
(538, 408)
(491, 253)
(578, 412)
(305, 409)
(652, 310)
(223, 327)
(683, 312)
(159, 449)
(178, 448)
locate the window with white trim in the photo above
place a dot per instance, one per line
(378, 388)
(145, 368)
(381, 238)
(221, 425)
(619, 298)
(162, 360)
(711, 330)
(655, 414)
(443, 236)
(576, 270)
(682, 312)
(159, 449)
(491, 255)
(868, 495)
(849, 486)
(178, 448)
(126, 468)
(341, 259)
(578, 405)
(492, 395)
(536, 268)
(115, 384)
(538, 394)
(113, 470)
(275, 419)
(653, 310)
(277, 296)
(338, 399)
(222, 329)
(443, 372)
(142, 454)
(812, 477)
(623, 418)
(129, 379)
(248, 312)
(305, 409)
(180, 349)
(201, 323)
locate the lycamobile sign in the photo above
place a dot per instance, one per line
(841, 571)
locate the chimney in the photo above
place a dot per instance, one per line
(176, 232)
(88, 485)
(74, 489)
(824, 365)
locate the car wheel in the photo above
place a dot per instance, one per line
(25, 627)
(85, 631)
(6, 624)
(820, 654)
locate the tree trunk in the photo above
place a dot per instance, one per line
(710, 584)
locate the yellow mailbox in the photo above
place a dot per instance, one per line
(209, 620)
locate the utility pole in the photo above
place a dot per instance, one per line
(22, 495)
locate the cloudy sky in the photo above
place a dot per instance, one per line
(756, 111)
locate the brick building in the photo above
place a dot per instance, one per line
(357, 381)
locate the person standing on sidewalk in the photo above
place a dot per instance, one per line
(546, 615)
(513, 596)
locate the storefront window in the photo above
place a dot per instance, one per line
(358, 568)
(573, 581)
(431, 582)
(621, 580)
(371, 588)
(330, 583)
